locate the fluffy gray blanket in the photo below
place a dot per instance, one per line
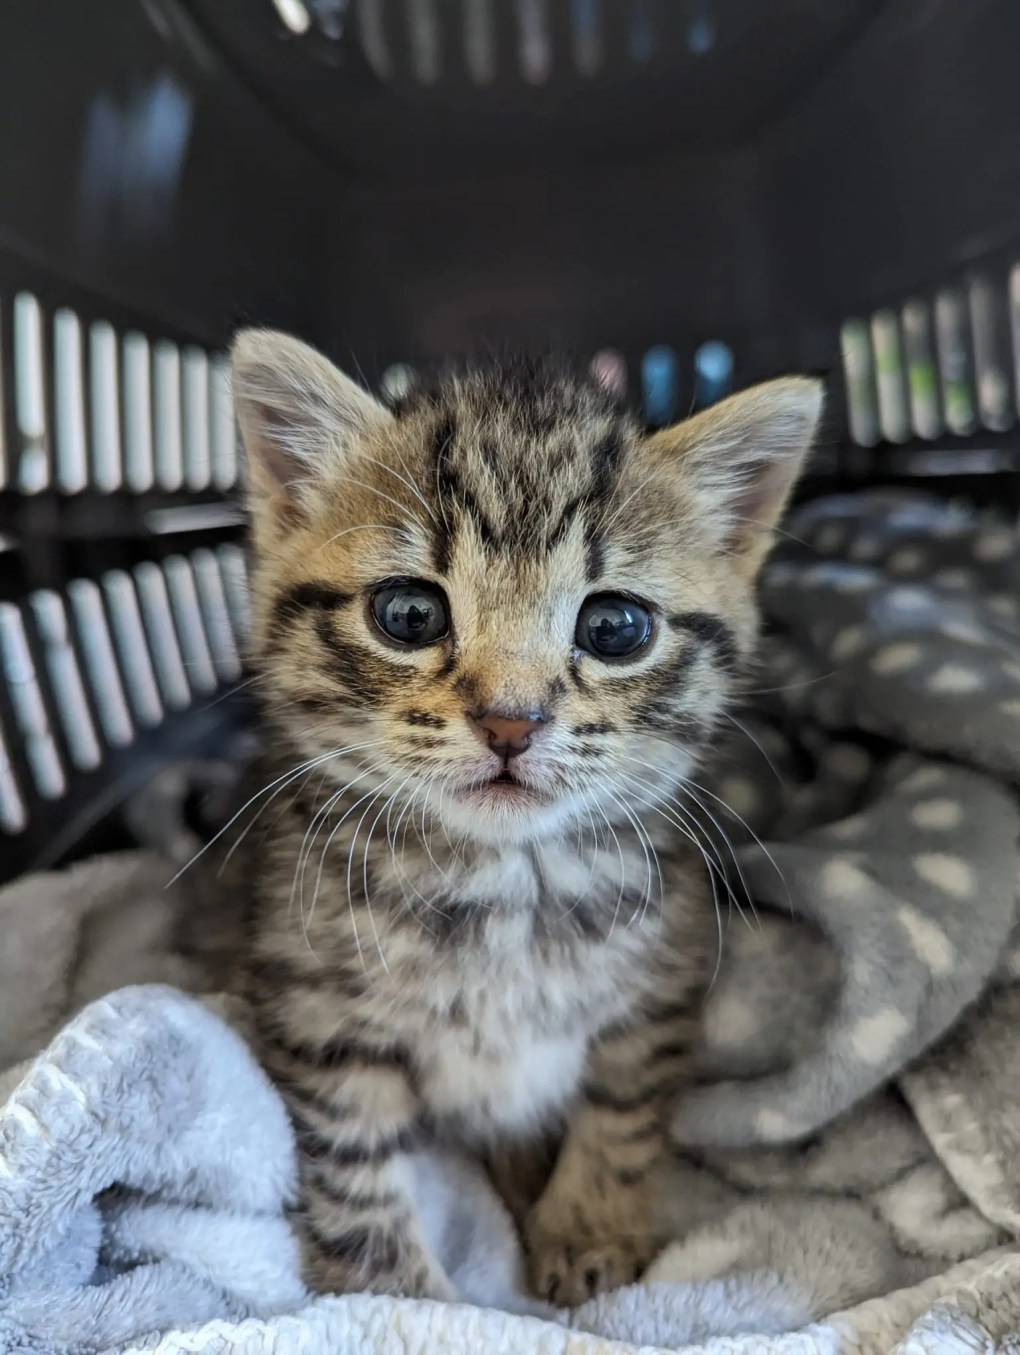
(846, 1177)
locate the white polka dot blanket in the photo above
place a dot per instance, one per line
(846, 1175)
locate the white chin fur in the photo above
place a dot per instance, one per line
(502, 825)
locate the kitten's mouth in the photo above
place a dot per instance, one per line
(503, 788)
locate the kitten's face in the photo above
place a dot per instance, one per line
(513, 611)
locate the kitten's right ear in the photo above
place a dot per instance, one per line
(299, 418)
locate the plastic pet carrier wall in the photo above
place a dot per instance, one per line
(690, 194)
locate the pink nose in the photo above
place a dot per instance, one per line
(507, 736)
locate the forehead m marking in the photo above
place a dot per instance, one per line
(509, 484)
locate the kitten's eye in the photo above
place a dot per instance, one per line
(412, 613)
(611, 627)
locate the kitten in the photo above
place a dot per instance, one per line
(494, 630)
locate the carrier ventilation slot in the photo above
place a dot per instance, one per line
(6, 452)
(65, 679)
(132, 648)
(423, 33)
(69, 378)
(166, 398)
(223, 438)
(586, 35)
(195, 391)
(480, 40)
(13, 815)
(201, 673)
(30, 395)
(713, 372)
(534, 45)
(224, 644)
(104, 385)
(949, 364)
(26, 694)
(164, 645)
(659, 393)
(137, 408)
(104, 678)
(397, 381)
(234, 573)
(609, 367)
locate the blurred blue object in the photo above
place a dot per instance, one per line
(659, 384)
(713, 372)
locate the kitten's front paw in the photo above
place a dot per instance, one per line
(433, 1285)
(570, 1270)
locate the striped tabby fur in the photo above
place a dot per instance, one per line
(434, 958)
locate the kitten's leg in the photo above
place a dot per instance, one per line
(520, 1173)
(356, 1118)
(597, 1226)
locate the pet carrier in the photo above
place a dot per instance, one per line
(690, 194)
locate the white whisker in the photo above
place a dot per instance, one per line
(403, 480)
(286, 778)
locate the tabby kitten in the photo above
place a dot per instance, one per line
(494, 630)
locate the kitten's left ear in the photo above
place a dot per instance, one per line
(740, 459)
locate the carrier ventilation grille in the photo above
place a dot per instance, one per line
(94, 409)
(89, 667)
(429, 40)
(947, 365)
(122, 577)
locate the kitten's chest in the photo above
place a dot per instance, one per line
(506, 1048)
(512, 1012)
(500, 1073)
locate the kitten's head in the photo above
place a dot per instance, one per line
(511, 609)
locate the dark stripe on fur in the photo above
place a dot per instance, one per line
(654, 1014)
(316, 1145)
(606, 460)
(311, 1100)
(605, 1099)
(594, 552)
(312, 1142)
(366, 1245)
(279, 972)
(669, 1049)
(466, 687)
(556, 689)
(711, 630)
(341, 1054)
(647, 1131)
(453, 493)
(661, 1013)
(362, 1200)
(442, 440)
(629, 1176)
(565, 521)
(456, 493)
(576, 677)
(423, 717)
(311, 595)
(366, 679)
